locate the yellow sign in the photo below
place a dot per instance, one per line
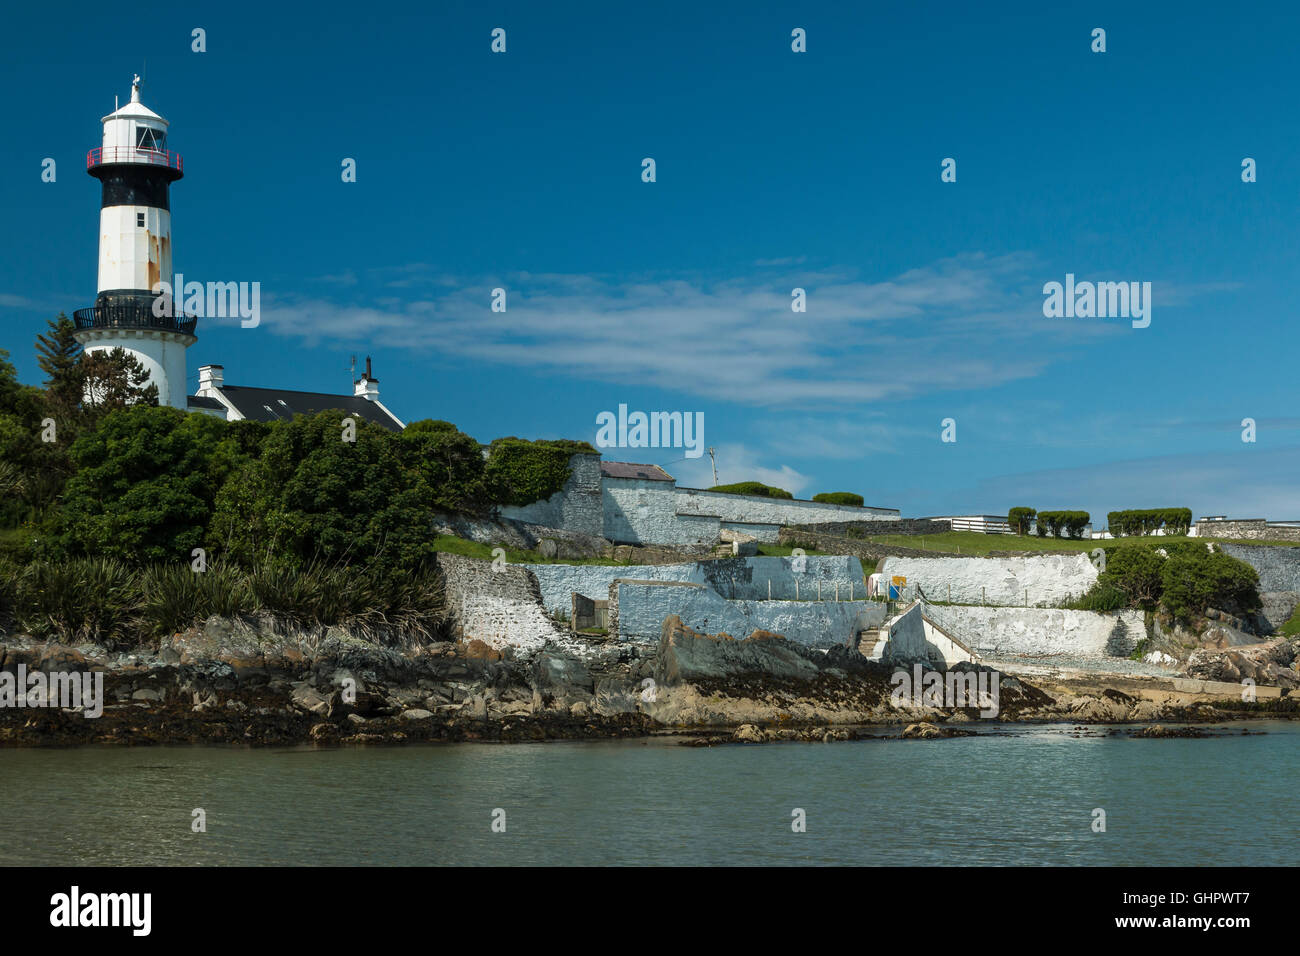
(898, 580)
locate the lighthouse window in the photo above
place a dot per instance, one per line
(149, 138)
(139, 219)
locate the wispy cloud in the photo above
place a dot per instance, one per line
(955, 324)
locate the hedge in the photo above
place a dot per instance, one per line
(1071, 522)
(756, 488)
(839, 498)
(1149, 520)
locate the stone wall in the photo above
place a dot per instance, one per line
(501, 607)
(917, 526)
(905, 640)
(1278, 567)
(1082, 637)
(749, 509)
(576, 507)
(1050, 579)
(639, 511)
(1248, 529)
(730, 577)
(638, 610)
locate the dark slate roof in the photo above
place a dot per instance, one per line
(279, 404)
(627, 469)
(202, 401)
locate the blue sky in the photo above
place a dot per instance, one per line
(775, 170)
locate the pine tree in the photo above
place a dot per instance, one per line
(57, 354)
(113, 379)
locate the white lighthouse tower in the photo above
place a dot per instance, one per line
(135, 249)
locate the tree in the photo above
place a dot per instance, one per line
(520, 472)
(1135, 570)
(113, 379)
(58, 353)
(1196, 579)
(450, 463)
(314, 495)
(145, 484)
(1019, 519)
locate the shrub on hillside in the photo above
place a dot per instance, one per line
(755, 488)
(1183, 585)
(839, 498)
(312, 496)
(110, 602)
(450, 463)
(520, 472)
(145, 482)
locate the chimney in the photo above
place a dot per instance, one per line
(368, 386)
(210, 377)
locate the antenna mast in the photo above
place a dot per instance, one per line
(713, 459)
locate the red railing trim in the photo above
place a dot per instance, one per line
(129, 154)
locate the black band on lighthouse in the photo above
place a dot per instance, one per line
(132, 185)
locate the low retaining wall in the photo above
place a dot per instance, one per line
(1248, 528)
(751, 509)
(1189, 685)
(1042, 632)
(638, 610)
(1278, 567)
(1049, 580)
(906, 638)
(501, 607)
(733, 578)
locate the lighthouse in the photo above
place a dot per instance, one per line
(136, 169)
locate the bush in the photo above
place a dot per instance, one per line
(1103, 596)
(756, 488)
(1195, 582)
(108, 601)
(79, 599)
(1135, 570)
(1019, 519)
(839, 498)
(312, 496)
(520, 472)
(145, 484)
(1183, 585)
(450, 464)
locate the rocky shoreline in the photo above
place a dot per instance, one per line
(250, 682)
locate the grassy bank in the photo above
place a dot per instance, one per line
(975, 544)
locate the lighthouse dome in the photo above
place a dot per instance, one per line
(134, 127)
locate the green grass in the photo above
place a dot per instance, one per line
(977, 544)
(1292, 627)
